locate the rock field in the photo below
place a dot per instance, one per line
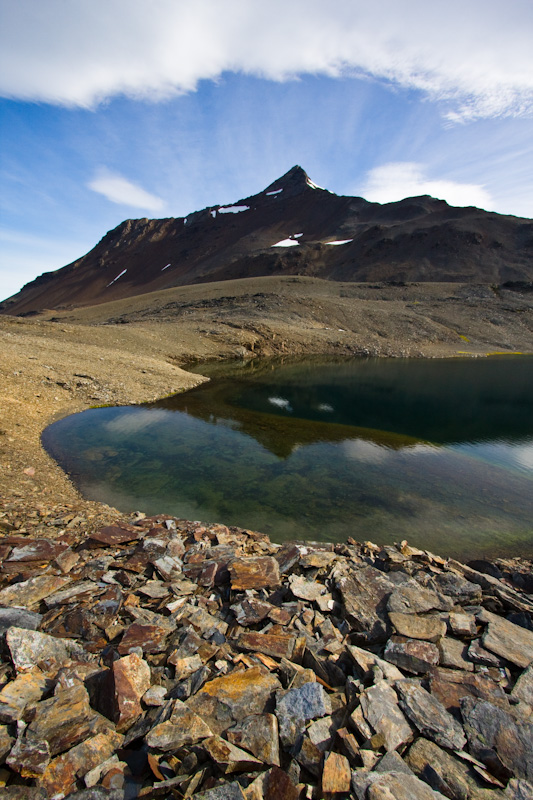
(161, 658)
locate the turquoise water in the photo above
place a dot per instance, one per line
(437, 452)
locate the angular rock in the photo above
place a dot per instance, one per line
(37, 550)
(429, 715)
(59, 778)
(29, 758)
(258, 734)
(27, 688)
(462, 623)
(297, 706)
(230, 758)
(250, 611)
(478, 655)
(393, 762)
(65, 720)
(28, 648)
(231, 698)
(380, 707)
(183, 728)
(412, 655)
(457, 587)
(131, 679)
(336, 774)
(523, 688)
(281, 646)
(411, 598)
(507, 640)
(19, 618)
(113, 535)
(229, 791)
(454, 654)
(446, 773)
(151, 638)
(413, 626)
(496, 737)
(364, 595)
(255, 572)
(30, 593)
(366, 661)
(519, 790)
(305, 589)
(322, 731)
(392, 786)
(450, 685)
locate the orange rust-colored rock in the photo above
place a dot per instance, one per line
(131, 676)
(256, 572)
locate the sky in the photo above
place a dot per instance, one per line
(112, 109)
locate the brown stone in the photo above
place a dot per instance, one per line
(270, 644)
(113, 535)
(131, 679)
(427, 714)
(151, 638)
(507, 640)
(29, 758)
(454, 653)
(61, 774)
(431, 628)
(25, 689)
(184, 727)
(37, 550)
(255, 572)
(65, 720)
(306, 589)
(258, 734)
(412, 655)
(28, 648)
(380, 707)
(336, 774)
(450, 685)
(230, 758)
(27, 594)
(364, 595)
(241, 693)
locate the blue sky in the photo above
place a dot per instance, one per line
(117, 108)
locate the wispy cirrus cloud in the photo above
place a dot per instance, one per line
(394, 181)
(120, 190)
(475, 58)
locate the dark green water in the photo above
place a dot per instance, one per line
(437, 452)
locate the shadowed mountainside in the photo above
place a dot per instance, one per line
(335, 237)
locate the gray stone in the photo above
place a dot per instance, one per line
(478, 655)
(519, 790)
(523, 688)
(457, 587)
(412, 655)
(392, 786)
(413, 626)
(450, 685)
(411, 598)
(454, 654)
(462, 623)
(429, 715)
(28, 593)
(380, 707)
(297, 706)
(19, 618)
(507, 640)
(496, 736)
(447, 774)
(366, 661)
(364, 595)
(258, 734)
(229, 791)
(305, 589)
(28, 647)
(393, 762)
(229, 758)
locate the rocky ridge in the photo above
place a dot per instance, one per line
(158, 657)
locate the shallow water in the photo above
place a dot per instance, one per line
(438, 452)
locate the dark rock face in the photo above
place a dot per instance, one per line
(416, 239)
(280, 676)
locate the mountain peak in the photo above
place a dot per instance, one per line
(295, 181)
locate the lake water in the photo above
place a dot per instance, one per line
(438, 452)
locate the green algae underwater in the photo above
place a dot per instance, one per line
(438, 452)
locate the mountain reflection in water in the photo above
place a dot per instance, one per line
(438, 452)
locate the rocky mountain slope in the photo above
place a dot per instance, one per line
(292, 227)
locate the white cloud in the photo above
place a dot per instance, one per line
(394, 181)
(475, 56)
(123, 192)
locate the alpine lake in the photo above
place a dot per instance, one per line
(438, 452)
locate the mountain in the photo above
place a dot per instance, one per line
(325, 235)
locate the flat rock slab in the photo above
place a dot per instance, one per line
(28, 648)
(113, 535)
(411, 598)
(496, 735)
(381, 710)
(25, 689)
(30, 593)
(230, 758)
(131, 679)
(277, 646)
(450, 685)
(259, 735)
(392, 786)
(413, 626)
(306, 589)
(297, 706)
(19, 618)
(255, 572)
(412, 655)
(37, 550)
(336, 774)
(429, 715)
(507, 640)
(364, 596)
(184, 727)
(60, 776)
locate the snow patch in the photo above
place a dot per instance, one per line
(213, 214)
(120, 274)
(339, 241)
(277, 191)
(185, 220)
(285, 243)
(296, 235)
(232, 209)
(313, 185)
(326, 407)
(280, 402)
(164, 268)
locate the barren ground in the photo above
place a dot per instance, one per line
(133, 351)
